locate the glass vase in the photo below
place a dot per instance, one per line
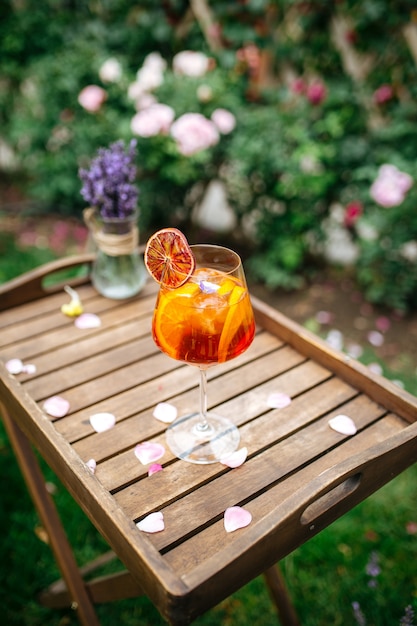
(118, 271)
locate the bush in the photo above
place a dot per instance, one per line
(323, 95)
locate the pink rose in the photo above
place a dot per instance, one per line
(194, 132)
(224, 120)
(152, 121)
(390, 186)
(316, 92)
(298, 86)
(352, 213)
(383, 94)
(190, 63)
(92, 97)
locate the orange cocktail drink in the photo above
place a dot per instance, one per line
(205, 321)
(203, 316)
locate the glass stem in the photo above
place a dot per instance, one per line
(203, 399)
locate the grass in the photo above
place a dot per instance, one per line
(324, 576)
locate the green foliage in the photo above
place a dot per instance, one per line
(293, 157)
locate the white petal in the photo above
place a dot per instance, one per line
(236, 458)
(165, 412)
(343, 424)
(148, 452)
(278, 400)
(91, 464)
(87, 320)
(14, 366)
(376, 338)
(56, 406)
(235, 517)
(102, 421)
(375, 368)
(153, 523)
(29, 368)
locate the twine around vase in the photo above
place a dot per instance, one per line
(112, 244)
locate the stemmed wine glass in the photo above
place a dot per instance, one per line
(205, 321)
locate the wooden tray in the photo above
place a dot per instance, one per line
(300, 475)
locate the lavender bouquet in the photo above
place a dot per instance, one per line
(109, 183)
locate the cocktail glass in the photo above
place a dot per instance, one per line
(206, 321)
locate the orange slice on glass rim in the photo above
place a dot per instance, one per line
(169, 258)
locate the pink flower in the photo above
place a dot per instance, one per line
(353, 212)
(390, 186)
(383, 94)
(194, 132)
(224, 120)
(298, 86)
(316, 92)
(152, 121)
(190, 63)
(92, 97)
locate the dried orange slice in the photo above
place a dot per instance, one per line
(169, 258)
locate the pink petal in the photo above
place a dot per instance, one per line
(375, 368)
(383, 323)
(235, 517)
(236, 458)
(102, 421)
(165, 412)
(148, 452)
(343, 424)
(14, 366)
(29, 368)
(56, 406)
(154, 468)
(278, 400)
(324, 317)
(153, 523)
(87, 320)
(91, 464)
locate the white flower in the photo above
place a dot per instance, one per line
(409, 251)
(149, 78)
(110, 71)
(190, 63)
(155, 61)
(204, 93)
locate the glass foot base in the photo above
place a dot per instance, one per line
(190, 441)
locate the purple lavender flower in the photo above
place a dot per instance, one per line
(358, 615)
(373, 569)
(408, 617)
(109, 183)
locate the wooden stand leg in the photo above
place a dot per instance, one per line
(51, 521)
(279, 594)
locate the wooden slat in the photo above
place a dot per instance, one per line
(285, 451)
(165, 379)
(47, 334)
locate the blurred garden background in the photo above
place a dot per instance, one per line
(286, 128)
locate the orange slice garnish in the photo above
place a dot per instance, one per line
(172, 317)
(235, 317)
(169, 258)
